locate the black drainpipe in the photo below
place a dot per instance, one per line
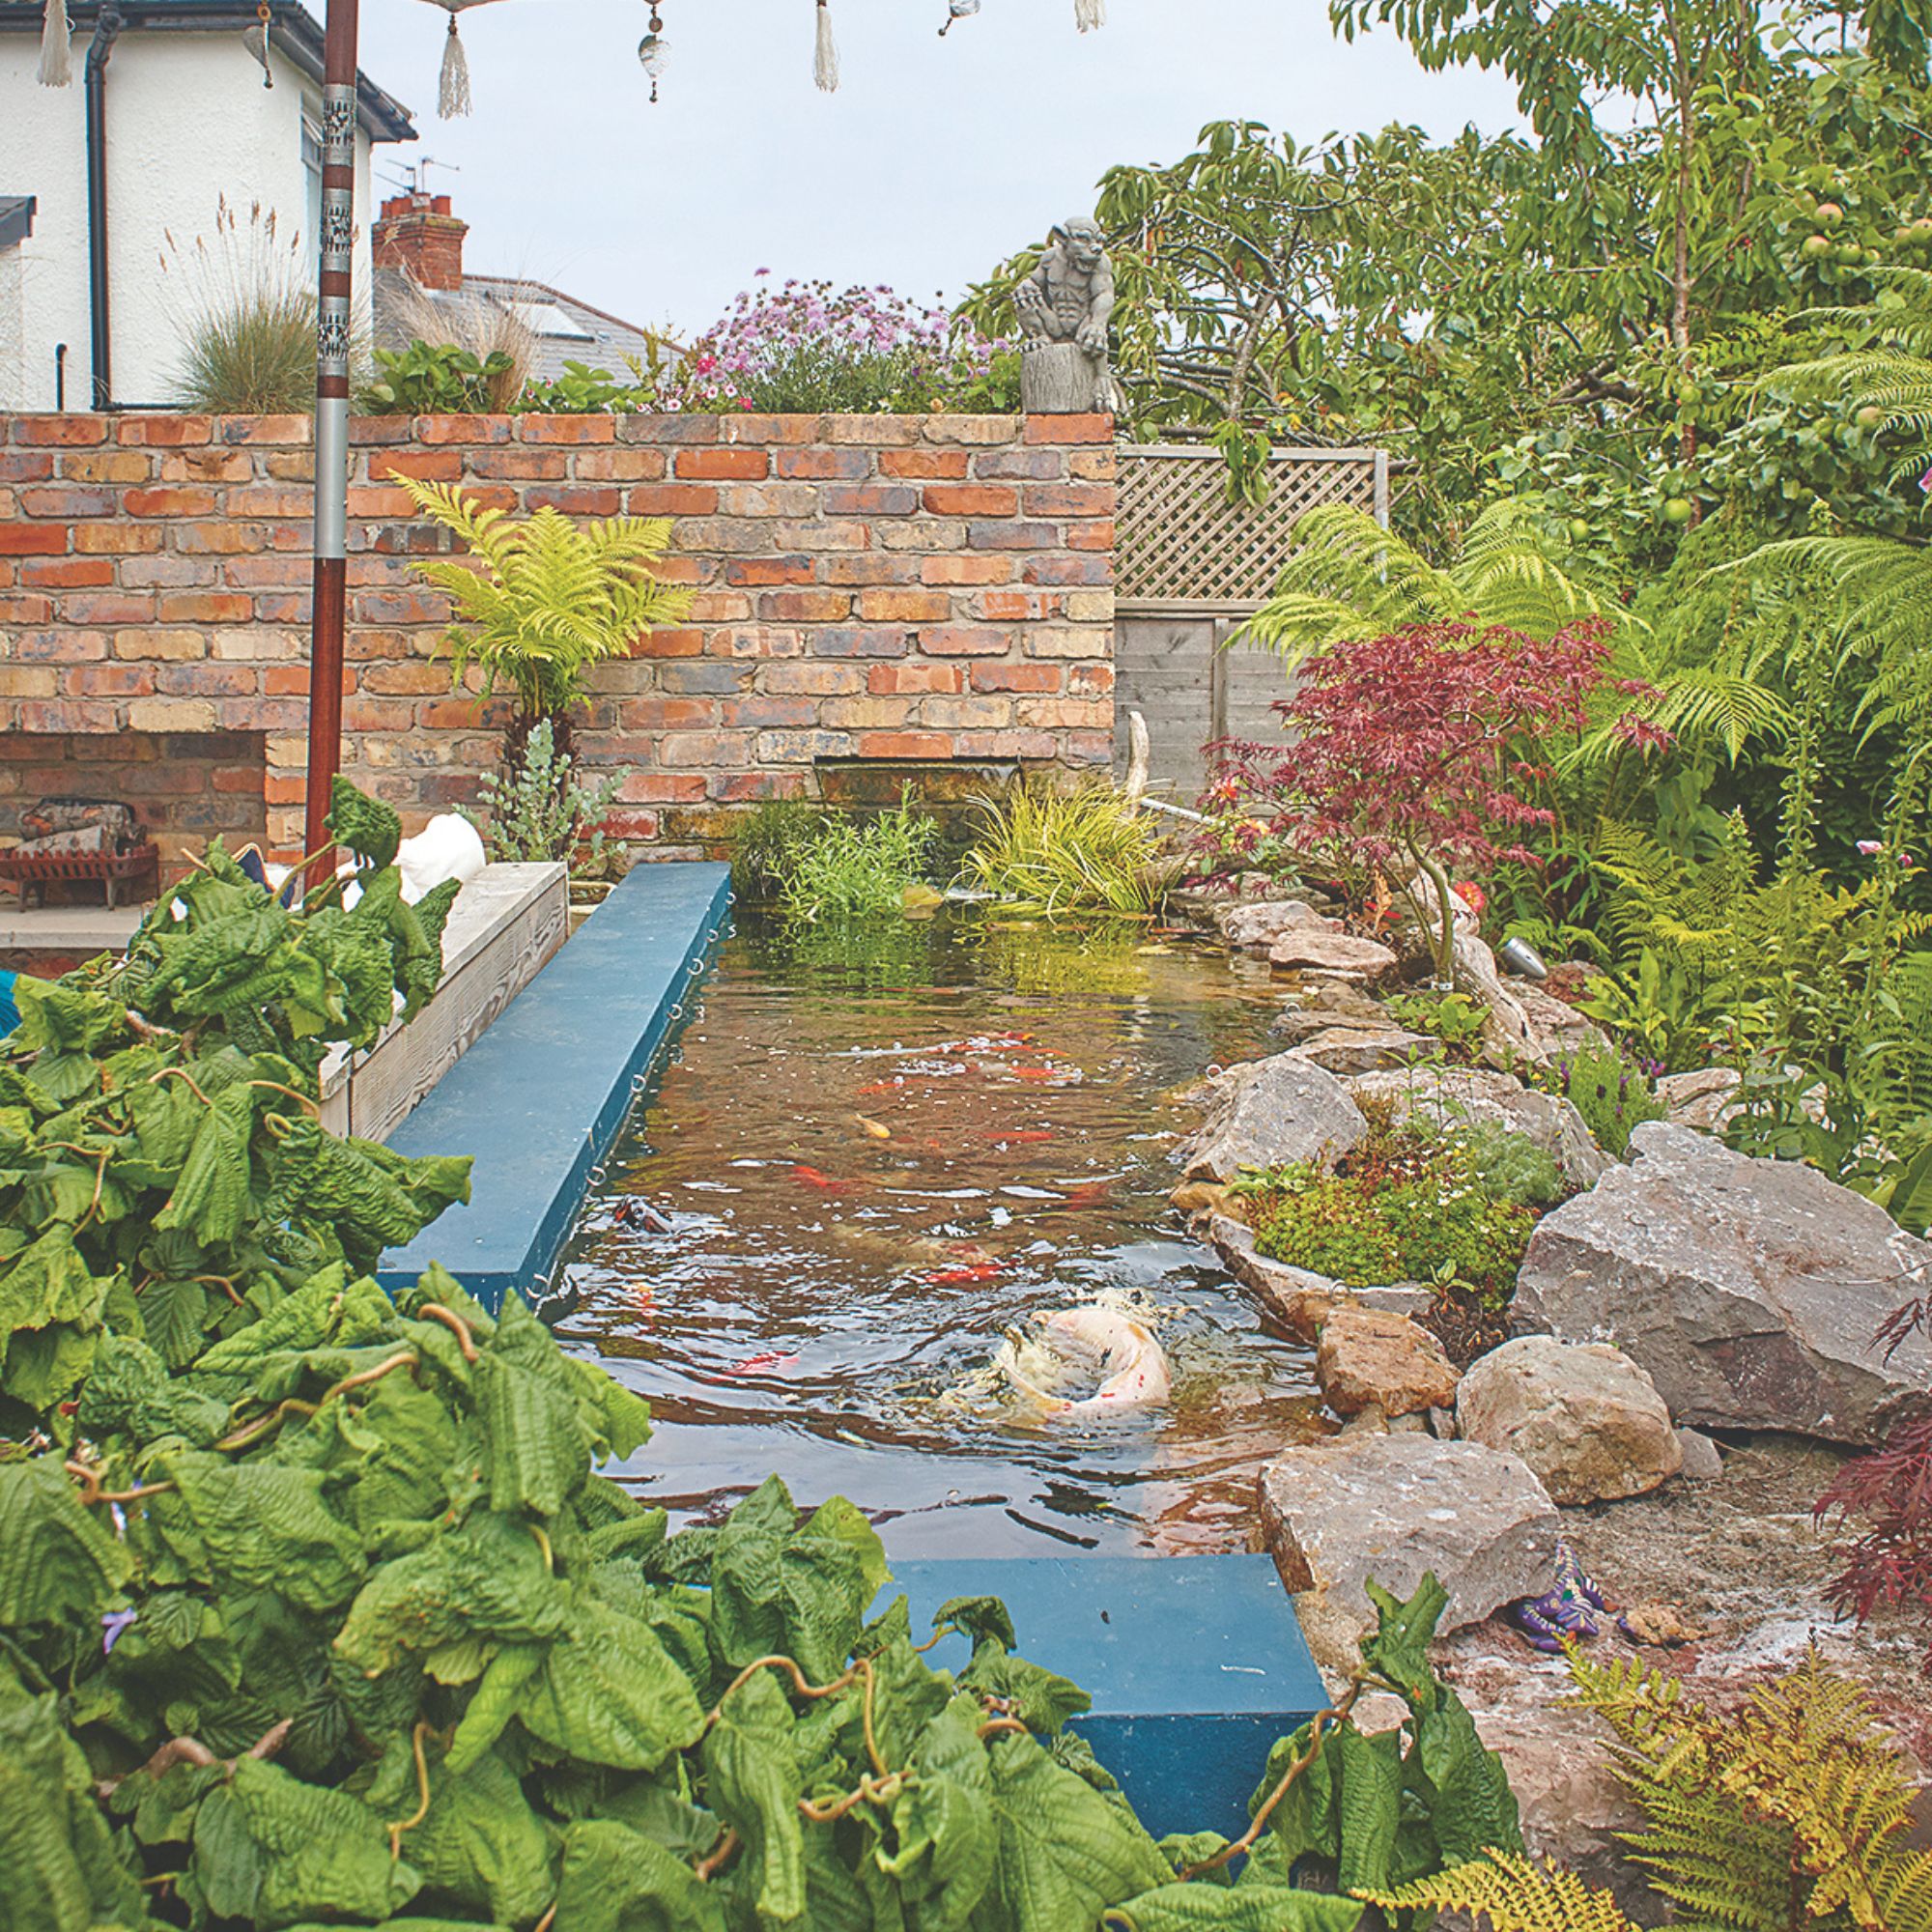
(107, 24)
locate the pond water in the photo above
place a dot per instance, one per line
(873, 1153)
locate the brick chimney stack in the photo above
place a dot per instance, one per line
(417, 234)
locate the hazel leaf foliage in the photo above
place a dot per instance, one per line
(163, 1178)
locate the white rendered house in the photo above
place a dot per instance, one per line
(166, 115)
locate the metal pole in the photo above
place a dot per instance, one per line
(331, 413)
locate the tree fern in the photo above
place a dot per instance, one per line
(551, 599)
(1513, 1893)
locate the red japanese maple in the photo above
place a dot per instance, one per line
(1406, 751)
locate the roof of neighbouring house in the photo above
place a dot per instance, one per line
(17, 218)
(566, 330)
(292, 31)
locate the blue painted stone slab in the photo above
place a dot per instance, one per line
(541, 1097)
(1195, 1666)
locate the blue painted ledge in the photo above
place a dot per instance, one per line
(1195, 1666)
(540, 1098)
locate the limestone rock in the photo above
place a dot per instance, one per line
(1299, 1299)
(1582, 1415)
(1327, 949)
(1508, 1032)
(1702, 1462)
(1256, 926)
(1329, 1003)
(1347, 1050)
(1448, 1097)
(1704, 1100)
(1265, 1113)
(1556, 1027)
(1369, 1358)
(1393, 1507)
(1751, 1291)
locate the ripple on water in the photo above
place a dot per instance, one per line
(870, 1156)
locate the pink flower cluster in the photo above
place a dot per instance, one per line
(804, 348)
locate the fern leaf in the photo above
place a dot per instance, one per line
(1513, 1893)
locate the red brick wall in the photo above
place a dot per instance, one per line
(896, 590)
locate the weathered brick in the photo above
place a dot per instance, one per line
(64, 645)
(1090, 680)
(208, 680)
(843, 643)
(207, 465)
(67, 500)
(1069, 571)
(106, 465)
(514, 464)
(764, 572)
(284, 429)
(1049, 640)
(109, 606)
(117, 539)
(905, 745)
(32, 539)
(1038, 466)
(962, 570)
(67, 573)
(220, 539)
(1069, 429)
(843, 534)
(661, 788)
(71, 715)
(576, 500)
(1036, 537)
(922, 464)
(31, 680)
(967, 714)
(428, 465)
(814, 680)
(566, 429)
(169, 499)
(171, 714)
(705, 747)
(970, 499)
(804, 607)
(672, 499)
(737, 466)
(463, 429)
(617, 466)
(170, 647)
(69, 432)
(972, 429)
(1038, 678)
(965, 640)
(767, 499)
(205, 607)
(878, 432)
(863, 567)
(1096, 535)
(870, 500)
(25, 465)
(839, 466)
(19, 609)
(888, 606)
(763, 710)
(802, 748)
(886, 680)
(1068, 500)
(164, 432)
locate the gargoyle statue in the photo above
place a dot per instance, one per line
(1065, 307)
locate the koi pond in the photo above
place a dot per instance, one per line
(872, 1155)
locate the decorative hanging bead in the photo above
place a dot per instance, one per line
(256, 40)
(654, 51)
(958, 10)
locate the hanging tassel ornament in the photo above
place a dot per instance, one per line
(56, 63)
(1089, 14)
(958, 10)
(452, 97)
(825, 66)
(654, 51)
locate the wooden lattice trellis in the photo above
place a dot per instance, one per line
(1181, 546)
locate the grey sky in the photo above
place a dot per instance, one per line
(934, 161)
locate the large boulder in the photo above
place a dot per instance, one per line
(1449, 1097)
(1324, 947)
(1323, 1003)
(1392, 1508)
(1704, 1100)
(1751, 1291)
(1582, 1414)
(1369, 1359)
(1267, 1113)
(1557, 1030)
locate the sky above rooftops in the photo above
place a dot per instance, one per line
(934, 161)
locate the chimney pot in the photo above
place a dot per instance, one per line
(418, 234)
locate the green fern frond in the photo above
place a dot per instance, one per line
(541, 601)
(1513, 1893)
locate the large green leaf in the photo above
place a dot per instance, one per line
(479, 1845)
(1397, 1650)
(946, 1837)
(753, 1785)
(274, 1850)
(616, 1880)
(49, 1319)
(1369, 1770)
(538, 1449)
(778, 1590)
(58, 1561)
(262, 1526)
(1064, 1854)
(1473, 1809)
(211, 1199)
(1207, 1908)
(608, 1693)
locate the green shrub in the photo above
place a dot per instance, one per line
(1454, 1019)
(539, 812)
(1614, 1096)
(439, 378)
(768, 841)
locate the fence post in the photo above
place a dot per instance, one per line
(1383, 488)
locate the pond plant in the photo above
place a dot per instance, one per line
(541, 810)
(1044, 847)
